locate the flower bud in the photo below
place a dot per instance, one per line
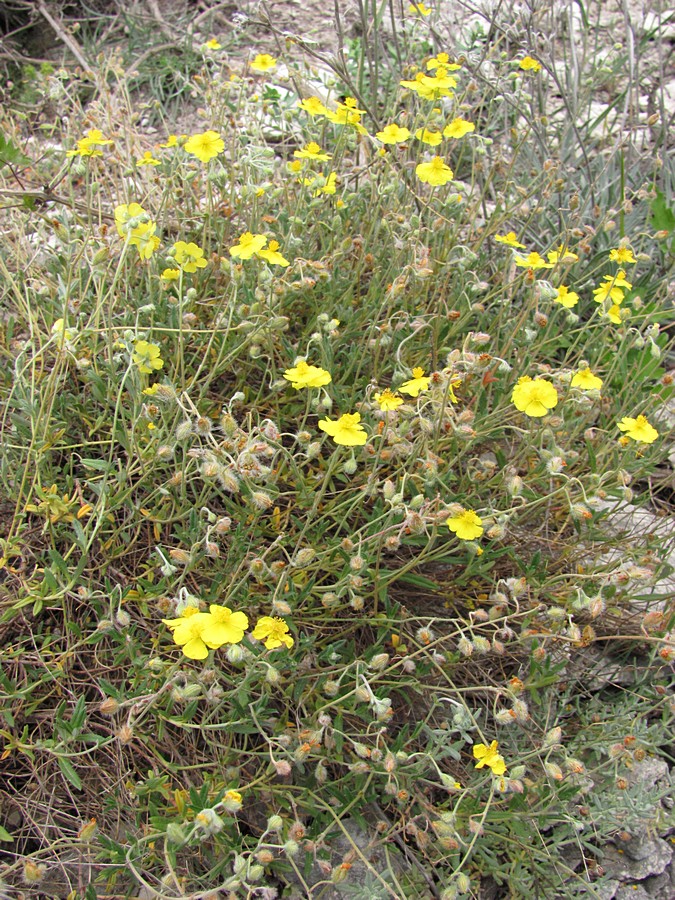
(210, 822)
(340, 872)
(465, 646)
(175, 834)
(291, 848)
(552, 737)
(304, 557)
(272, 676)
(109, 706)
(33, 872)
(463, 883)
(275, 823)
(379, 661)
(125, 735)
(553, 770)
(255, 872)
(235, 654)
(183, 430)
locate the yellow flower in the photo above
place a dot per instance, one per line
(64, 334)
(488, 756)
(329, 185)
(225, 627)
(585, 380)
(638, 429)
(622, 255)
(124, 213)
(528, 64)
(608, 291)
(433, 138)
(345, 430)
(85, 147)
(510, 239)
(145, 240)
(415, 385)
(205, 146)
(393, 134)
(189, 257)
(432, 87)
(442, 61)
(458, 128)
(232, 801)
(187, 632)
(614, 314)
(313, 106)
(435, 172)
(272, 255)
(419, 8)
(273, 631)
(263, 62)
(171, 141)
(248, 245)
(312, 151)
(88, 145)
(347, 114)
(302, 375)
(534, 398)
(147, 357)
(170, 275)
(139, 234)
(388, 401)
(619, 279)
(96, 137)
(562, 254)
(212, 44)
(566, 297)
(533, 261)
(147, 160)
(467, 525)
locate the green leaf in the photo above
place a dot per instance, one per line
(11, 155)
(6, 836)
(69, 772)
(663, 217)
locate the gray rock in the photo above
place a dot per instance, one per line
(631, 892)
(657, 855)
(361, 882)
(648, 771)
(661, 887)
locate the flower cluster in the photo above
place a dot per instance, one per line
(135, 226)
(198, 632)
(254, 245)
(611, 293)
(433, 87)
(89, 144)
